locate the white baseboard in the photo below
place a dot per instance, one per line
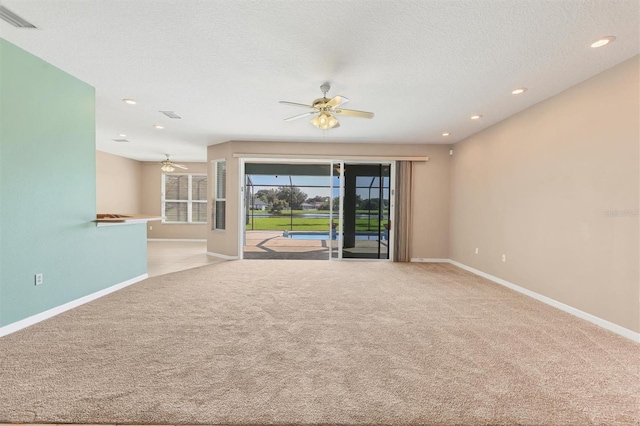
(179, 240)
(429, 260)
(34, 319)
(624, 332)
(222, 256)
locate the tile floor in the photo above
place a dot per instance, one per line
(164, 257)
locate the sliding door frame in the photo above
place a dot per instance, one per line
(392, 203)
(330, 162)
(339, 230)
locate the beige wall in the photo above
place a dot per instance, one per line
(152, 204)
(130, 186)
(431, 187)
(118, 184)
(537, 187)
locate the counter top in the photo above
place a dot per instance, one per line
(108, 219)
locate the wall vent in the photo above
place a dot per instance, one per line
(120, 140)
(15, 20)
(171, 114)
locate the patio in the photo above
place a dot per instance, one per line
(273, 245)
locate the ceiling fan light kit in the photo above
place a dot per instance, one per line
(169, 166)
(325, 121)
(326, 109)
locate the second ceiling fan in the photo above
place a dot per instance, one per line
(325, 109)
(169, 166)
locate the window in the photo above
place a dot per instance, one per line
(219, 194)
(184, 198)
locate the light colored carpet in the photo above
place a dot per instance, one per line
(307, 342)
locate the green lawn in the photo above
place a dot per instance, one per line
(304, 224)
(282, 223)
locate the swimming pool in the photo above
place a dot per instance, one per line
(308, 236)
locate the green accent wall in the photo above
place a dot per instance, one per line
(48, 193)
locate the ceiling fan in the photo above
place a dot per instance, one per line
(168, 166)
(325, 109)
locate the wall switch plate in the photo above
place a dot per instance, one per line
(504, 257)
(150, 228)
(39, 279)
(476, 250)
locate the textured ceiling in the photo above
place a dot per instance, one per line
(423, 67)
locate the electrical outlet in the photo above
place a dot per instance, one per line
(476, 250)
(39, 279)
(504, 257)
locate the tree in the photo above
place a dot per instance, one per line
(371, 204)
(267, 195)
(318, 199)
(292, 195)
(326, 205)
(277, 206)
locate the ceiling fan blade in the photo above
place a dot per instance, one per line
(337, 101)
(354, 113)
(296, 104)
(180, 166)
(295, 117)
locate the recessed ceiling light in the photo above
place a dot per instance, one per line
(476, 117)
(518, 91)
(122, 135)
(129, 101)
(446, 134)
(158, 126)
(603, 41)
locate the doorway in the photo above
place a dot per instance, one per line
(303, 209)
(366, 211)
(289, 211)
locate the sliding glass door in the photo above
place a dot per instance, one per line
(310, 210)
(366, 209)
(291, 210)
